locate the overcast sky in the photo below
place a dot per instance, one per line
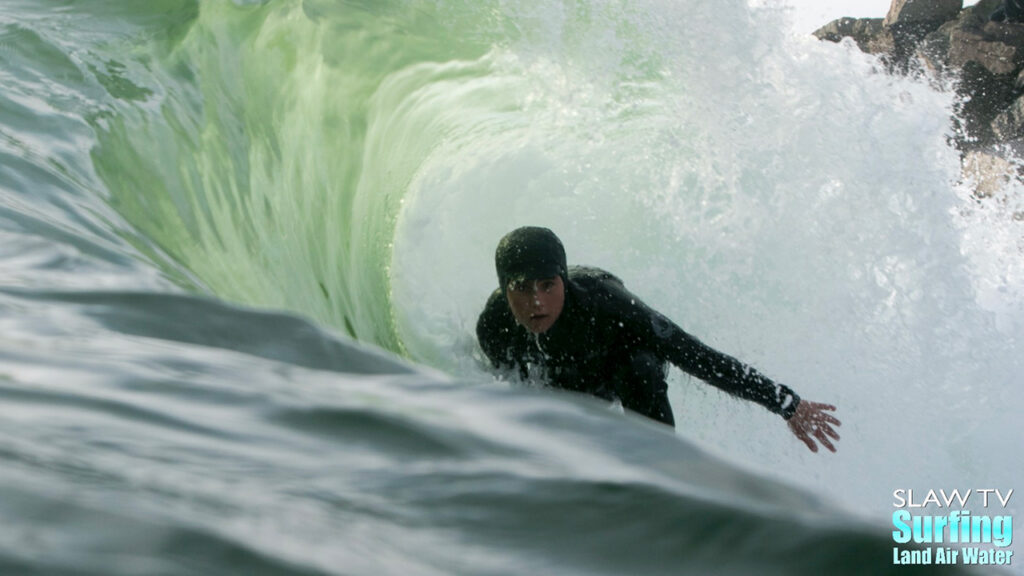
(809, 15)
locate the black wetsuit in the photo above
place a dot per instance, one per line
(608, 343)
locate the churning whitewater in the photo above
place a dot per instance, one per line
(245, 244)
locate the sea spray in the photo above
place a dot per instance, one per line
(787, 201)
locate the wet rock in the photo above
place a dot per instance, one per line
(997, 46)
(987, 172)
(982, 58)
(861, 30)
(984, 96)
(1009, 124)
(922, 11)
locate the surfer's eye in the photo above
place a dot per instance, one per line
(518, 287)
(547, 285)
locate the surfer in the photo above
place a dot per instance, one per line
(579, 329)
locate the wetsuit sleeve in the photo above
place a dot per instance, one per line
(493, 332)
(654, 331)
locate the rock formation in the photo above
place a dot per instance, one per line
(983, 59)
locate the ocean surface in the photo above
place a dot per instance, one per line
(243, 246)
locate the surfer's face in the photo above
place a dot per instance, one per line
(536, 304)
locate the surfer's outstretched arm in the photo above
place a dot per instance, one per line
(811, 422)
(588, 322)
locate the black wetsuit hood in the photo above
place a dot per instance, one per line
(530, 252)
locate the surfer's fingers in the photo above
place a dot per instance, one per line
(832, 433)
(820, 435)
(831, 419)
(802, 429)
(805, 438)
(819, 406)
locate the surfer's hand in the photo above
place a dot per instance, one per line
(811, 422)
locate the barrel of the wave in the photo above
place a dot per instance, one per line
(275, 146)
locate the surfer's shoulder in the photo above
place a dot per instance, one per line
(495, 314)
(592, 277)
(602, 292)
(595, 285)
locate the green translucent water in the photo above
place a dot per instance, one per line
(277, 153)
